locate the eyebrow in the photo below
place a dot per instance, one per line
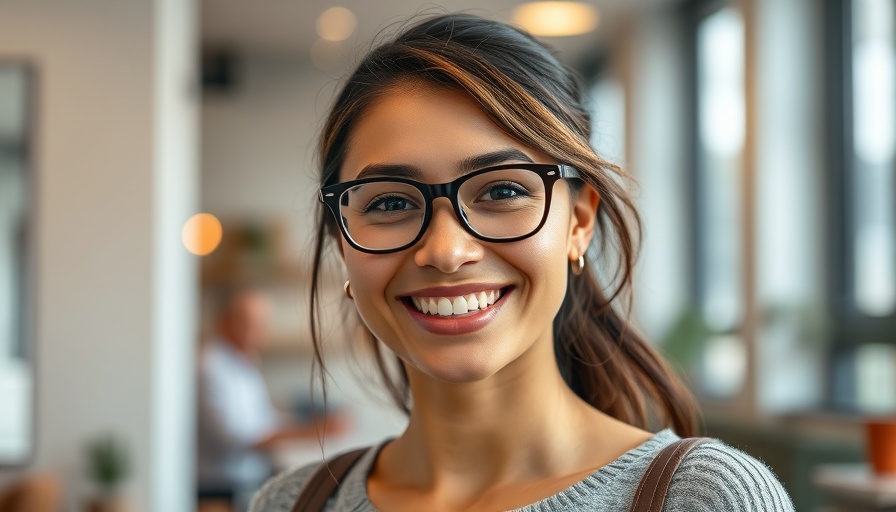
(464, 166)
(494, 158)
(390, 170)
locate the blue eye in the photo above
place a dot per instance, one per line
(496, 193)
(390, 204)
(503, 191)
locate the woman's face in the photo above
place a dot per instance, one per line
(435, 131)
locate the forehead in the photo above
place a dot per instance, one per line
(428, 127)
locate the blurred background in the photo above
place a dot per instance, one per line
(762, 134)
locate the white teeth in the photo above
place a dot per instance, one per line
(448, 306)
(459, 306)
(445, 307)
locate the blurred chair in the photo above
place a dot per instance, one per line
(33, 493)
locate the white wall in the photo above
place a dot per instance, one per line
(114, 168)
(259, 142)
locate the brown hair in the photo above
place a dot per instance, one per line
(523, 88)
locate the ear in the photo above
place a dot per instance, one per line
(582, 220)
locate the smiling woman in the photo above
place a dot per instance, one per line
(458, 180)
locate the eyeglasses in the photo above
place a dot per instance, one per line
(503, 203)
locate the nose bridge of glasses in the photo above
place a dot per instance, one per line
(449, 191)
(446, 191)
(438, 190)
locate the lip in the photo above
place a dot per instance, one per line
(461, 324)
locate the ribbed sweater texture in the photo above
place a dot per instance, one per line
(713, 477)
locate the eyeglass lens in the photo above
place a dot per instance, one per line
(500, 204)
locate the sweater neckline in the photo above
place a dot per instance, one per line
(356, 484)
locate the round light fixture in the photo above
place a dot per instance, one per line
(202, 234)
(554, 19)
(336, 24)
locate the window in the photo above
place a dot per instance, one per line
(873, 225)
(720, 140)
(862, 156)
(718, 152)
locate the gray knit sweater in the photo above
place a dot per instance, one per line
(713, 477)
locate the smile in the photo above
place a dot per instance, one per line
(452, 306)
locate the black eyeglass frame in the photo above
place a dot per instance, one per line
(550, 174)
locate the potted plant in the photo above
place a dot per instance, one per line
(108, 465)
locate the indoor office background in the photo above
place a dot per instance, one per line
(762, 134)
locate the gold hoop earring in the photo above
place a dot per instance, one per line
(578, 266)
(347, 288)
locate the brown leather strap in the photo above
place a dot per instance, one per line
(324, 481)
(651, 493)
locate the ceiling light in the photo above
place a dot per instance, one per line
(336, 24)
(556, 18)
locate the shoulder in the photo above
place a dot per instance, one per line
(280, 492)
(215, 357)
(716, 476)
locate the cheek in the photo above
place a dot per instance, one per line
(369, 272)
(370, 275)
(547, 260)
(552, 271)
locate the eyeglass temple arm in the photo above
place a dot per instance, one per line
(568, 171)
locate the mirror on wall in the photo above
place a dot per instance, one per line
(16, 361)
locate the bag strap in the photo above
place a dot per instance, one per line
(325, 481)
(651, 493)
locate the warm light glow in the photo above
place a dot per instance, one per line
(202, 234)
(336, 24)
(556, 18)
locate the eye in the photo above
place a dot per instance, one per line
(390, 204)
(502, 191)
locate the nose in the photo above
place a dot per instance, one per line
(446, 245)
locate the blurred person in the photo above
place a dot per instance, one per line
(237, 423)
(459, 185)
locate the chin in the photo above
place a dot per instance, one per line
(460, 368)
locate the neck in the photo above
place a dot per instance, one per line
(520, 424)
(499, 443)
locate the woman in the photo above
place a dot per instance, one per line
(463, 194)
